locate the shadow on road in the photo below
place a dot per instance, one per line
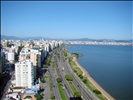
(75, 98)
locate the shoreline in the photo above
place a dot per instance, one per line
(86, 74)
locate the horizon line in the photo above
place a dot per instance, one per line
(62, 38)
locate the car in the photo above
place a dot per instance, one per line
(63, 87)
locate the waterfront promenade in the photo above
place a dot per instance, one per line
(85, 73)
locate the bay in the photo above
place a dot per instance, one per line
(110, 66)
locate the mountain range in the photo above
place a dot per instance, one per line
(22, 38)
(82, 39)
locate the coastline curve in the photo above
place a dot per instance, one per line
(86, 74)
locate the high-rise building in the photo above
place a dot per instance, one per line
(5, 43)
(2, 60)
(24, 72)
(10, 56)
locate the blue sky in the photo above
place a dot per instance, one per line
(67, 19)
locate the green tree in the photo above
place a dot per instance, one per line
(74, 70)
(80, 75)
(68, 77)
(19, 49)
(43, 80)
(77, 94)
(85, 80)
(96, 91)
(52, 96)
(42, 95)
(48, 61)
(38, 97)
(59, 80)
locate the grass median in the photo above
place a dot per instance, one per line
(53, 64)
(61, 91)
(75, 91)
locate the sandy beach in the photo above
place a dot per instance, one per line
(85, 73)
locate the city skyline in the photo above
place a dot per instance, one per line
(67, 20)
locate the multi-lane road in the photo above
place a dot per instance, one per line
(67, 89)
(54, 85)
(86, 94)
(84, 91)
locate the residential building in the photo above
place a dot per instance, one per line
(24, 73)
(10, 57)
(24, 54)
(2, 60)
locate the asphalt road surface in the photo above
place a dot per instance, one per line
(67, 89)
(53, 80)
(84, 91)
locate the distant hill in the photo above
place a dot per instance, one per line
(100, 40)
(19, 38)
(11, 37)
(82, 39)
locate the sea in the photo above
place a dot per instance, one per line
(111, 66)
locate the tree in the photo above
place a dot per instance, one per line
(43, 79)
(19, 49)
(80, 75)
(68, 77)
(42, 95)
(59, 80)
(38, 97)
(96, 91)
(9, 45)
(85, 80)
(75, 70)
(52, 96)
(48, 61)
(77, 94)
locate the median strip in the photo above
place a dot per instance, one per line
(75, 91)
(60, 88)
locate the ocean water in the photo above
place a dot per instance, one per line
(111, 66)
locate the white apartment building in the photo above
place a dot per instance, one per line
(33, 54)
(24, 54)
(10, 57)
(24, 73)
(56, 44)
(45, 51)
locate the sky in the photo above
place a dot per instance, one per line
(67, 19)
